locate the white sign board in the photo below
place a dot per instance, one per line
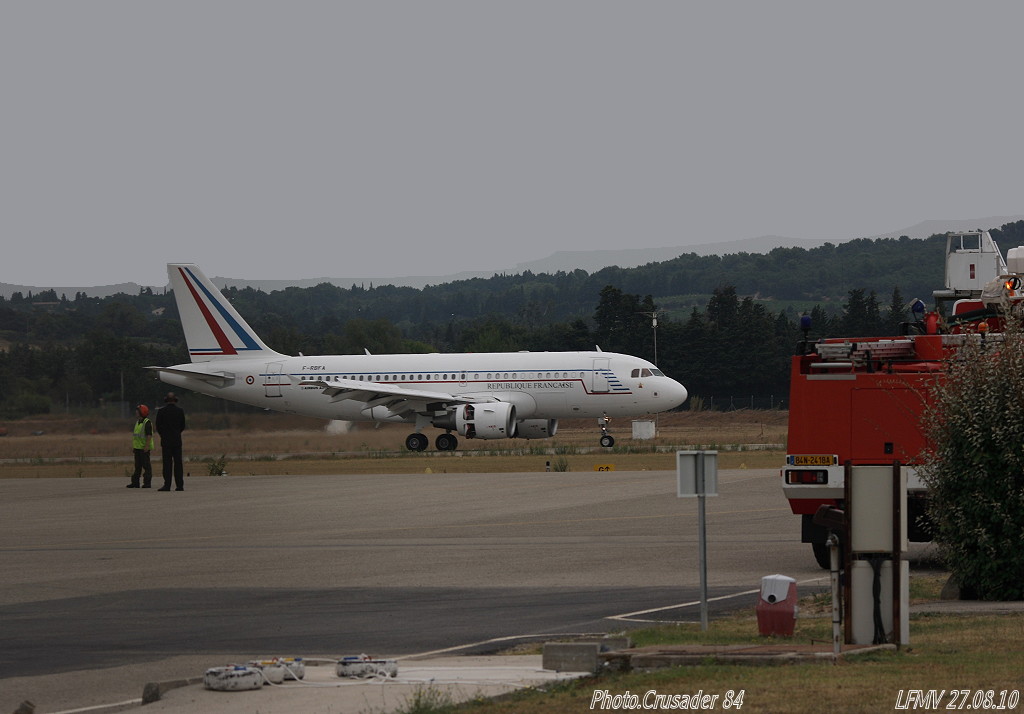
(696, 473)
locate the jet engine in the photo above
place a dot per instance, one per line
(536, 428)
(487, 420)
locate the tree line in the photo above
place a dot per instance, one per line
(734, 346)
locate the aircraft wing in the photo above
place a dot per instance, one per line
(397, 399)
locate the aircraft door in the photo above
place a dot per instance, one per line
(272, 381)
(599, 377)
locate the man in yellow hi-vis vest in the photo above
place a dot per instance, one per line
(142, 444)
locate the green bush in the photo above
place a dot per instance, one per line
(216, 467)
(974, 467)
(561, 464)
(25, 404)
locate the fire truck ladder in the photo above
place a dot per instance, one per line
(859, 353)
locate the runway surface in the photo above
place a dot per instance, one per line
(99, 576)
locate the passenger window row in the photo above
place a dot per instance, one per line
(442, 377)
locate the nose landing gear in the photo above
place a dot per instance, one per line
(607, 440)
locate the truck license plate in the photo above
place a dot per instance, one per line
(814, 460)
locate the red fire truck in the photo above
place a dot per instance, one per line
(861, 399)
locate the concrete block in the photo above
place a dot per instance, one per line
(570, 656)
(154, 691)
(607, 644)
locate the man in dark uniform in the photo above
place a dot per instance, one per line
(170, 422)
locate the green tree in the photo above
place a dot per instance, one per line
(974, 467)
(723, 307)
(123, 318)
(897, 311)
(377, 336)
(493, 335)
(861, 315)
(623, 323)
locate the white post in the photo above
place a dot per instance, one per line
(837, 638)
(703, 546)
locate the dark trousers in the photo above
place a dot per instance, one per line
(172, 461)
(143, 467)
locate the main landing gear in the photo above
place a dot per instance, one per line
(449, 442)
(446, 442)
(416, 442)
(419, 442)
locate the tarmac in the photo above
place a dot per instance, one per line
(79, 554)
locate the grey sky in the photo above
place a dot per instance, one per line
(307, 139)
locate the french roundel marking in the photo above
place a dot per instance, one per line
(249, 379)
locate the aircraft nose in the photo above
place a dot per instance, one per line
(676, 393)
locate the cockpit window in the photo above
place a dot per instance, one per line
(635, 373)
(657, 373)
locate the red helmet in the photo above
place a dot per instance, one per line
(143, 410)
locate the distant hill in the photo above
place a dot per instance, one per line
(101, 291)
(925, 229)
(594, 260)
(588, 260)
(565, 260)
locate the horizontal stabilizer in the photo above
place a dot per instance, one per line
(217, 379)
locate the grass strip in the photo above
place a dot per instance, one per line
(967, 660)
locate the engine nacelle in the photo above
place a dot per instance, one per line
(536, 428)
(487, 420)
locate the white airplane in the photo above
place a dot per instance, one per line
(484, 396)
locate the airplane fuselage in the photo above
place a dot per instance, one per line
(541, 385)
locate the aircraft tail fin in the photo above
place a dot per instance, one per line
(213, 328)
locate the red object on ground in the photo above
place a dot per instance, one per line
(776, 607)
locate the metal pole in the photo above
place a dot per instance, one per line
(654, 326)
(848, 553)
(702, 543)
(897, 553)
